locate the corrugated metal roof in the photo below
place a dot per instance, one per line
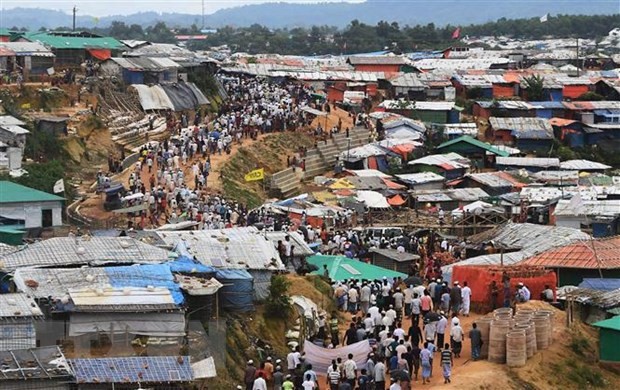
(64, 251)
(70, 40)
(244, 248)
(31, 365)
(422, 106)
(603, 299)
(28, 49)
(467, 194)
(145, 63)
(583, 165)
(446, 161)
(408, 80)
(460, 64)
(472, 141)
(493, 179)
(129, 299)
(395, 255)
(589, 254)
(538, 162)
(137, 369)
(420, 178)
(16, 193)
(17, 305)
(377, 60)
(525, 238)
(524, 128)
(56, 282)
(160, 50)
(608, 208)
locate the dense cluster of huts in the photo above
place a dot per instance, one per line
(128, 309)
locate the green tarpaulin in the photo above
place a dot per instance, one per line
(341, 268)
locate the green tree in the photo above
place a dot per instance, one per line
(160, 33)
(535, 87)
(278, 302)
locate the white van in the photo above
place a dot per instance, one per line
(379, 232)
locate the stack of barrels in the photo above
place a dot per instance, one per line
(512, 339)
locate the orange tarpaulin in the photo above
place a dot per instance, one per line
(392, 185)
(101, 54)
(396, 200)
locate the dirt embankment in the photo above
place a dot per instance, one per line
(269, 153)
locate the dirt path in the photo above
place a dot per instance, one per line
(92, 207)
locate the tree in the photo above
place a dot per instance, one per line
(535, 86)
(278, 302)
(160, 33)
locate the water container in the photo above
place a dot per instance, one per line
(497, 341)
(516, 351)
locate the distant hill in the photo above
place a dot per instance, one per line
(455, 12)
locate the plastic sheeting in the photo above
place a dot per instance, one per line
(147, 324)
(186, 264)
(321, 358)
(372, 199)
(238, 291)
(176, 97)
(156, 275)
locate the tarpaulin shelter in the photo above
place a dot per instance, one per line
(238, 291)
(174, 96)
(372, 199)
(480, 278)
(396, 200)
(341, 268)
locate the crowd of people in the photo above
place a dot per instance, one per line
(413, 331)
(172, 177)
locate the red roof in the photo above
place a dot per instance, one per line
(601, 253)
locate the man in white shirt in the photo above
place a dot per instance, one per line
(398, 301)
(379, 375)
(466, 299)
(350, 370)
(391, 313)
(365, 297)
(353, 295)
(375, 315)
(408, 297)
(369, 324)
(415, 309)
(259, 383)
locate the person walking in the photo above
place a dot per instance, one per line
(425, 362)
(466, 299)
(456, 338)
(446, 363)
(379, 375)
(476, 341)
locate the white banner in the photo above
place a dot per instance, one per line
(321, 358)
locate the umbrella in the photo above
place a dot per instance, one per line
(432, 316)
(400, 375)
(413, 281)
(215, 135)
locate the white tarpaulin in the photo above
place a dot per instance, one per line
(373, 200)
(321, 358)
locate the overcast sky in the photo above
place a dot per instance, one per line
(124, 7)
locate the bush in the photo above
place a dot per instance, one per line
(278, 302)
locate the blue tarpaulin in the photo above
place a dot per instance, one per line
(600, 284)
(238, 291)
(186, 264)
(156, 275)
